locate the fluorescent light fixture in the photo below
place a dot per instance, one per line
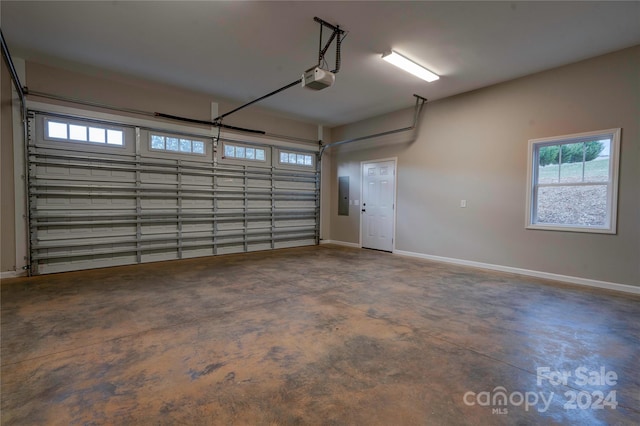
(409, 66)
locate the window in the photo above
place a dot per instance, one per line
(176, 144)
(573, 182)
(292, 158)
(238, 152)
(89, 133)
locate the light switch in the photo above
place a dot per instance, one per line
(356, 202)
(463, 203)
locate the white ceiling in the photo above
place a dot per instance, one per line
(243, 50)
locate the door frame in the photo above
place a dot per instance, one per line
(395, 197)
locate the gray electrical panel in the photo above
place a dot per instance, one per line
(343, 195)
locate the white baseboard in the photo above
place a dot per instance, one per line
(12, 274)
(538, 274)
(340, 243)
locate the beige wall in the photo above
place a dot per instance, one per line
(471, 146)
(7, 207)
(127, 92)
(474, 147)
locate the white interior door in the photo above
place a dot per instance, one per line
(378, 205)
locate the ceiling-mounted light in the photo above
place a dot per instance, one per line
(409, 66)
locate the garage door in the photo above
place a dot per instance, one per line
(104, 194)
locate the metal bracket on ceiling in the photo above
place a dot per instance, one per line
(336, 34)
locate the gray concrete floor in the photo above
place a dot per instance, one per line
(316, 335)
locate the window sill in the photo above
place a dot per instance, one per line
(583, 229)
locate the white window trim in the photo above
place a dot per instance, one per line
(612, 193)
(87, 124)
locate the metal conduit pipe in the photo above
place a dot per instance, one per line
(25, 133)
(420, 101)
(12, 70)
(87, 103)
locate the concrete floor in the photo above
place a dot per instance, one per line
(316, 335)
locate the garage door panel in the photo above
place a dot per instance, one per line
(195, 204)
(197, 181)
(63, 233)
(82, 177)
(89, 262)
(259, 204)
(235, 205)
(258, 247)
(231, 249)
(151, 203)
(259, 183)
(295, 204)
(294, 243)
(168, 177)
(229, 226)
(231, 182)
(93, 206)
(198, 252)
(45, 201)
(295, 223)
(159, 255)
(259, 225)
(81, 253)
(197, 227)
(53, 171)
(288, 185)
(158, 229)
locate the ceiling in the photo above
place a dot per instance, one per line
(242, 50)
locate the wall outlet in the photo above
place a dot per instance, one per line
(463, 203)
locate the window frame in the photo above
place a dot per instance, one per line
(152, 133)
(280, 164)
(534, 146)
(244, 160)
(88, 125)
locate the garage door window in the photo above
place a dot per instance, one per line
(60, 130)
(239, 152)
(168, 143)
(295, 159)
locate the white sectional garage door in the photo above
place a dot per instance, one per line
(105, 194)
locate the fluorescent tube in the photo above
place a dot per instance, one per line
(409, 66)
